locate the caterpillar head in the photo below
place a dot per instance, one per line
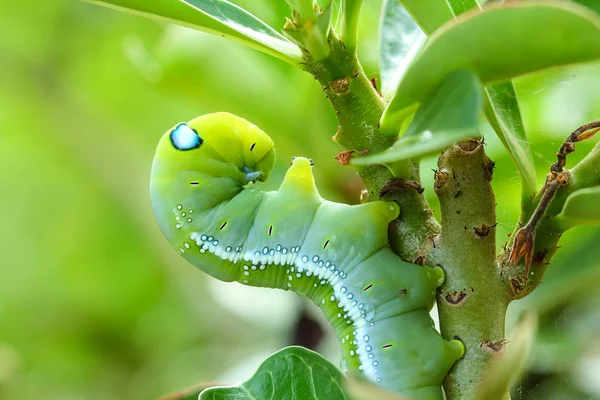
(219, 144)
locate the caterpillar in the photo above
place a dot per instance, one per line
(206, 197)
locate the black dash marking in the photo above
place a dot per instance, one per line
(386, 346)
(194, 183)
(270, 230)
(326, 244)
(252, 147)
(368, 287)
(223, 226)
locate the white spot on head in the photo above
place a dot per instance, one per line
(185, 138)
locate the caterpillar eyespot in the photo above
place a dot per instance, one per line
(185, 138)
(335, 254)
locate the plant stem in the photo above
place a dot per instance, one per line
(473, 300)
(358, 108)
(412, 234)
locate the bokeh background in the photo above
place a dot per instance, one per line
(94, 304)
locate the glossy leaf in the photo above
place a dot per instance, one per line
(511, 362)
(504, 115)
(581, 208)
(294, 373)
(429, 14)
(447, 116)
(401, 39)
(218, 17)
(472, 41)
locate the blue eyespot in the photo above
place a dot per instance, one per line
(185, 138)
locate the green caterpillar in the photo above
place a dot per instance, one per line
(209, 207)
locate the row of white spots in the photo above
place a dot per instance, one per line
(298, 265)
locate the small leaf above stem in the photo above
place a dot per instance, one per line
(447, 116)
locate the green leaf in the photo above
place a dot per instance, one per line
(429, 14)
(401, 39)
(511, 362)
(581, 208)
(445, 117)
(293, 373)
(218, 17)
(504, 115)
(500, 43)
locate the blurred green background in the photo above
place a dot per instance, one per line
(94, 304)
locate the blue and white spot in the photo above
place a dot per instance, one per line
(185, 138)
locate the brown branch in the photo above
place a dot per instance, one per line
(525, 238)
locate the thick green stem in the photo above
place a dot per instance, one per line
(358, 108)
(473, 300)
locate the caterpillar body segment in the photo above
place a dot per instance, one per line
(208, 205)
